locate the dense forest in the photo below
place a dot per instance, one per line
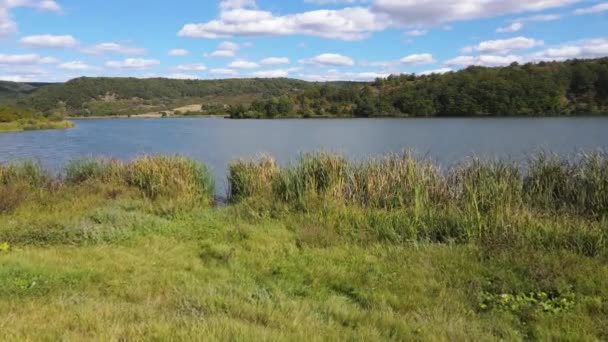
(556, 88)
(87, 96)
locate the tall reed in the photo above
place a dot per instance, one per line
(155, 176)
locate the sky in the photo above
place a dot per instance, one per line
(316, 40)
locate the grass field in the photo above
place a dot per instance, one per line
(324, 249)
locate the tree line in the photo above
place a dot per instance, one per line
(573, 87)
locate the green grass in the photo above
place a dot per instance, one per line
(34, 124)
(324, 249)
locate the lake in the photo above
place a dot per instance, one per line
(218, 141)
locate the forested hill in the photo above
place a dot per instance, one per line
(10, 90)
(113, 96)
(575, 87)
(578, 87)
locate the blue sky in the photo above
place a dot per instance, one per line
(56, 40)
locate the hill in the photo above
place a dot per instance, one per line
(125, 96)
(574, 87)
(10, 90)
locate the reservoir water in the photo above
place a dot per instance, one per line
(217, 141)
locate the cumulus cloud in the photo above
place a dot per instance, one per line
(180, 76)
(222, 71)
(221, 54)
(49, 41)
(114, 48)
(483, 60)
(503, 46)
(77, 65)
(230, 4)
(191, 67)
(416, 33)
(590, 48)
(335, 75)
(329, 59)
(418, 59)
(133, 64)
(439, 71)
(8, 25)
(277, 73)
(351, 23)
(514, 27)
(225, 50)
(178, 52)
(274, 61)
(29, 59)
(593, 9)
(433, 12)
(243, 18)
(243, 64)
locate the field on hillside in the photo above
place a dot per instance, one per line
(324, 249)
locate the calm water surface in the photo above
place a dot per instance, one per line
(219, 141)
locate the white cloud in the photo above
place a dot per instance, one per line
(437, 71)
(49, 5)
(334, 75)
(538, 17)
(228, 46)
(591, 48)
(30, 59)
(593, 9)
(329, 59)
(432, 12)
(180, 76)
(19, 78)
(351, 23)
(418, 59)
(133, 64)
(243, 64)
(221, 54)
(231, 4)
(178, 52)
(225, 50)
(49, 41)
(222, 71)
(416, 33)
(484, 60)
(8, 25)
(114, 48)
(514, 27)
(278, 73)
(76, 65)
(191, 67)
(274, 61)
(503, 46)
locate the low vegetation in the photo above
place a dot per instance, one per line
(323, 248)
(16, 119)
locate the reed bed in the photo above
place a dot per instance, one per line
(155, 176)
(578, 185)
(550, 203)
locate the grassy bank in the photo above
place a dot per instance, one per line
(391, 249)
(32, 125)
(17, 119)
